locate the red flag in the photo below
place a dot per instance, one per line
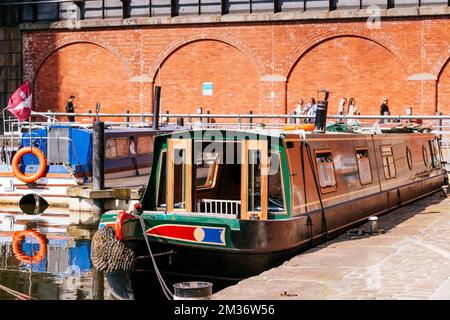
(20, 102)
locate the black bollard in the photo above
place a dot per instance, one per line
(156, 104)
(321, 113)
(98, 166)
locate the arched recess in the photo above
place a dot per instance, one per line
(89, 72)
(443, 89)
(349, 66)
(188, 72)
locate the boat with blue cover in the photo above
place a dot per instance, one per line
(61, 156)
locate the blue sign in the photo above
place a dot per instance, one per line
(207, 88)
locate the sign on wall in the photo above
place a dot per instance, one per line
(207, 88)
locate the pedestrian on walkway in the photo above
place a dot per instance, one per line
(132, 147)
(341, 107)
(352, 111)
(70, 108)
(299, 109)
(311, 109)
(384, 108)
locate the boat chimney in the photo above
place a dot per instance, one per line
(156, 105)
(321, 112)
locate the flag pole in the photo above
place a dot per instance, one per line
(29, 130)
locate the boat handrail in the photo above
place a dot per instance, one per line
(218, 206)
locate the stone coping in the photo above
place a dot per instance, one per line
(247, 17)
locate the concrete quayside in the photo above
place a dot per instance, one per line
(410, 260)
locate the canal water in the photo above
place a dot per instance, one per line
(65, 272)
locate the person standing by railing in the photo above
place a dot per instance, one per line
(299, 109)
(383, 109)
(352, 111)
(311, 109)
(341, 107)
(70, 108)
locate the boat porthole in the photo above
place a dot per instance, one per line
(409, 157)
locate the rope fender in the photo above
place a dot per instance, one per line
(109, 254)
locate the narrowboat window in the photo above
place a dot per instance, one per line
(388, 162)
(276, 185)
(254, 181)
(294, 161)
(409, 157)
(363, 160)
(325, 168)
(180, 176)
(116, 148)
(145, 145)
(426, 157)
(162, 174)
(206, 170)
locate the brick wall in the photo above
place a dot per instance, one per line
(10, 63)
(262, 66)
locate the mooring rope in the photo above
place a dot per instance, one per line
(164, 287)
(17, 294)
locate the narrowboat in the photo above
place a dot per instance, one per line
(61, 156)
(224, 205)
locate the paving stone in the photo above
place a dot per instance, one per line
(408, 262)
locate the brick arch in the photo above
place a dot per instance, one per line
(86, 70)
(184, 72)
(348, 66)
(67, 41)
(313, 42)
(443, 88)
(230, 41)
(441, 62)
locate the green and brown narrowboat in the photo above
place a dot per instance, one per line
(229, 204)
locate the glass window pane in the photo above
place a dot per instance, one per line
(254, 180)
(162, 181)
(110, 150)
(122, 147)
(179, 196)
(365, 171)
(294, 159)
(325, 167)
(276, 195)
(206, 165)
(145, 145)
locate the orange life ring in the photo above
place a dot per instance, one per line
(42, 164)
(18, 252)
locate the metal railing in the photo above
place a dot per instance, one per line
(101, 9)
(217, 206)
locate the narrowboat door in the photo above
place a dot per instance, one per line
(254, 178)
(179, 175)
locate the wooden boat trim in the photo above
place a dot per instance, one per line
(186, 145)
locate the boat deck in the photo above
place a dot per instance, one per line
(411, 260)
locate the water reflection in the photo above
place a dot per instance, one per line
(65, 272)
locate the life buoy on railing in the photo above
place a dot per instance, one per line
(42, 164)
(18, 252)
